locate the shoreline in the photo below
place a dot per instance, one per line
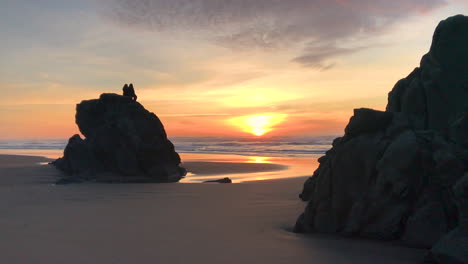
(203, 167)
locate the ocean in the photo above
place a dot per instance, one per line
(271, 147)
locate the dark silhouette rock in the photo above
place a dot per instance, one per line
(366, 121)
(453, 247)
(223, 180)
(123, 143)
(392, 175)
(434, 94)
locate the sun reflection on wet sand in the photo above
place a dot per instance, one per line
(258, 160)
(245, 168)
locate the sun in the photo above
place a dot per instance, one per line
(258, 125)
(259, 131)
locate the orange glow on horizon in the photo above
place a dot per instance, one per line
(258, 125)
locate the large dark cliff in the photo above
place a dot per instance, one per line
(402, 174)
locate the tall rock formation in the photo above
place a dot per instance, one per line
(123, 143)
(402, 173)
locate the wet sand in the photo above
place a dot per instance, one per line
(249, 222)
(202, 167)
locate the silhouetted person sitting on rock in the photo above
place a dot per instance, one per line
(129, 91)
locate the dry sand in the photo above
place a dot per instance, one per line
(164, 223)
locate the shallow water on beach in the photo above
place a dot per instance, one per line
(48, 153)
(245, 168)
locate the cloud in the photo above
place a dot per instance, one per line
(316, 55)
(317, 27)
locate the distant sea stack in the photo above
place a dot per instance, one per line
(402, 174)
(123, 143)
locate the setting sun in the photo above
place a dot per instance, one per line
(258, 125)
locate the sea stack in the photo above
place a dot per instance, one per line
(123, 142)
(402, 173)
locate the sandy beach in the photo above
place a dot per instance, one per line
(248, 222)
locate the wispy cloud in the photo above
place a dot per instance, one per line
(272, 24)
(316, 55)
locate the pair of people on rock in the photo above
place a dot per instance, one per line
(129, 91)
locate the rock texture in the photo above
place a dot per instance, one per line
(394, 174)
(223, 180)
(123, 143)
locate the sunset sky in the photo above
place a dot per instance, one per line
(210, 67)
